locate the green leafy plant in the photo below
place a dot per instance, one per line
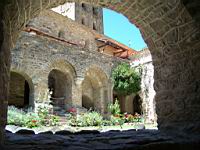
(114, 109)
(90, 118)
(16, 116)
(46, 116)
(31, 119)
(21, 118)
(126, 79)
(117, 120)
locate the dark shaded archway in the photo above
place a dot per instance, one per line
(21, 93)
(137, 104)
(19, 90)
(61, 86)
(87, 102)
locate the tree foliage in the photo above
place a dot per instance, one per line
(126, 80)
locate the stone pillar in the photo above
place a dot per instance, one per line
(41, 93)
(5, 44)
(110, 86)
(77, 92)
(102, 99)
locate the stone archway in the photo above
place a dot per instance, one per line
(21, 90)
(171, 31)
(94, 87)
(61, 83)
(61, 86)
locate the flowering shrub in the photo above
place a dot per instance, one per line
(129, 118)
(90, 118)
(30, 119)
(46, 116)
(72, 110)
(21, 118)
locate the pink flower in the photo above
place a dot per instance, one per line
(72, 110)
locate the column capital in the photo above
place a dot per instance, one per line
(79, 80)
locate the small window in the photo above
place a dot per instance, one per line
(83, 21)
(83, 6)
(94, 26)
(61, 34)
(95, 11)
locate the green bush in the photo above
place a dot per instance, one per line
(90, 118)
(114, 109)
(46, 116)
(126, 79)
(30, 119)
(117, 120)
(21, 118)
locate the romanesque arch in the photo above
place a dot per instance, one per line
(171, 31)
(94, 89)
(61, 82)
(21, 93)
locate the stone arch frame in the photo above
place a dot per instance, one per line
(99, 83)
(30, 83)
(67, 69)
(176, 63)
(63, 65)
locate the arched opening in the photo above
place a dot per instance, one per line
(20, 91)
(137, 105)
(87, 102)
(61, 86)
(93, 89)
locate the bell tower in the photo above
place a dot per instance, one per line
(88, 15)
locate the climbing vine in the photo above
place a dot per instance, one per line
(126, 80)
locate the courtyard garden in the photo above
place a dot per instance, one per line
(126, 81)
(44, 117)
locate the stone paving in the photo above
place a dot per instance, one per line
(93, 139)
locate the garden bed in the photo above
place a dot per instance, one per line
(43, 120)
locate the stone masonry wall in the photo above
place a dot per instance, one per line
(147, 93)
(37, 56)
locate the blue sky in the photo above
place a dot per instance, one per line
(119, 28)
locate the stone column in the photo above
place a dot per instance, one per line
(41, 93)
(5, 43)
(77, 92)
(110, 86)
(101, 98)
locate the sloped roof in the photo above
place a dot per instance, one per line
(125, 50)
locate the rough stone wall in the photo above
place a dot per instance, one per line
(171, 32)
(37, 56)
(90, 16)
(87, 91)
(147, 93)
